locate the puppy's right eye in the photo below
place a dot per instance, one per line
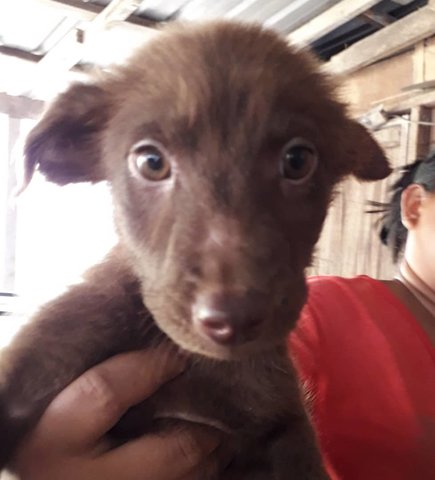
(150, 162)
(298, 161)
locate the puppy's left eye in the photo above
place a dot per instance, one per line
(150, 162)
(298, 160)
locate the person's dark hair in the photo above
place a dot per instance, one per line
(392, 232)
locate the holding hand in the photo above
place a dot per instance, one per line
(68, 443)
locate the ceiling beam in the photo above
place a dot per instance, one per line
(410, 101)
(326, 22)
(398, 36)
(20, 54)
(116, 11)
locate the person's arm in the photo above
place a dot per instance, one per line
(68, 442)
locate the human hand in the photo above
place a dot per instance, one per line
(68, 443)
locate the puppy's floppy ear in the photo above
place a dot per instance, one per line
(65, 145)
(368, 159)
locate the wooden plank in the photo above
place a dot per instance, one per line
(419, 63)
(11, 211)
(432, 132)
(116, 10)
(386, 42)
(329, 20)
(20, 107)
(420, 86)
(429, 59)
(416, 100)
(20, 54)
(369, 86)
(419, 133)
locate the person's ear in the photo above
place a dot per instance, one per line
(410, 203)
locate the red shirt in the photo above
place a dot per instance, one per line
(369, 370)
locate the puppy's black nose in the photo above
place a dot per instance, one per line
(227, 319)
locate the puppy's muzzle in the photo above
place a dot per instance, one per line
(229, 318)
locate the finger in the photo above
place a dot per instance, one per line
(206, 469)
(161, 456)
(93, 403)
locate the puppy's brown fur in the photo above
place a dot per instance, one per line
(222, 101)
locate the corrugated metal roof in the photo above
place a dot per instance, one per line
(284, 15)
(33, 30)
(18, 28)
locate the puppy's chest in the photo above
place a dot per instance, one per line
(236, 397)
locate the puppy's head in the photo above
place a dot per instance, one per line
(222, 145)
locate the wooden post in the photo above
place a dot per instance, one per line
(419, 134)
(8, 281)
(419, 62)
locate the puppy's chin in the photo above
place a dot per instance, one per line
(194, 343)
(229, 354)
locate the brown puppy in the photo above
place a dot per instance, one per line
(222, 146)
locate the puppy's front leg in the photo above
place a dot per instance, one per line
(294, 453)
(89, 323)
(288, 452)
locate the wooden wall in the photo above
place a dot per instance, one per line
(349, 244)
(388, 82)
